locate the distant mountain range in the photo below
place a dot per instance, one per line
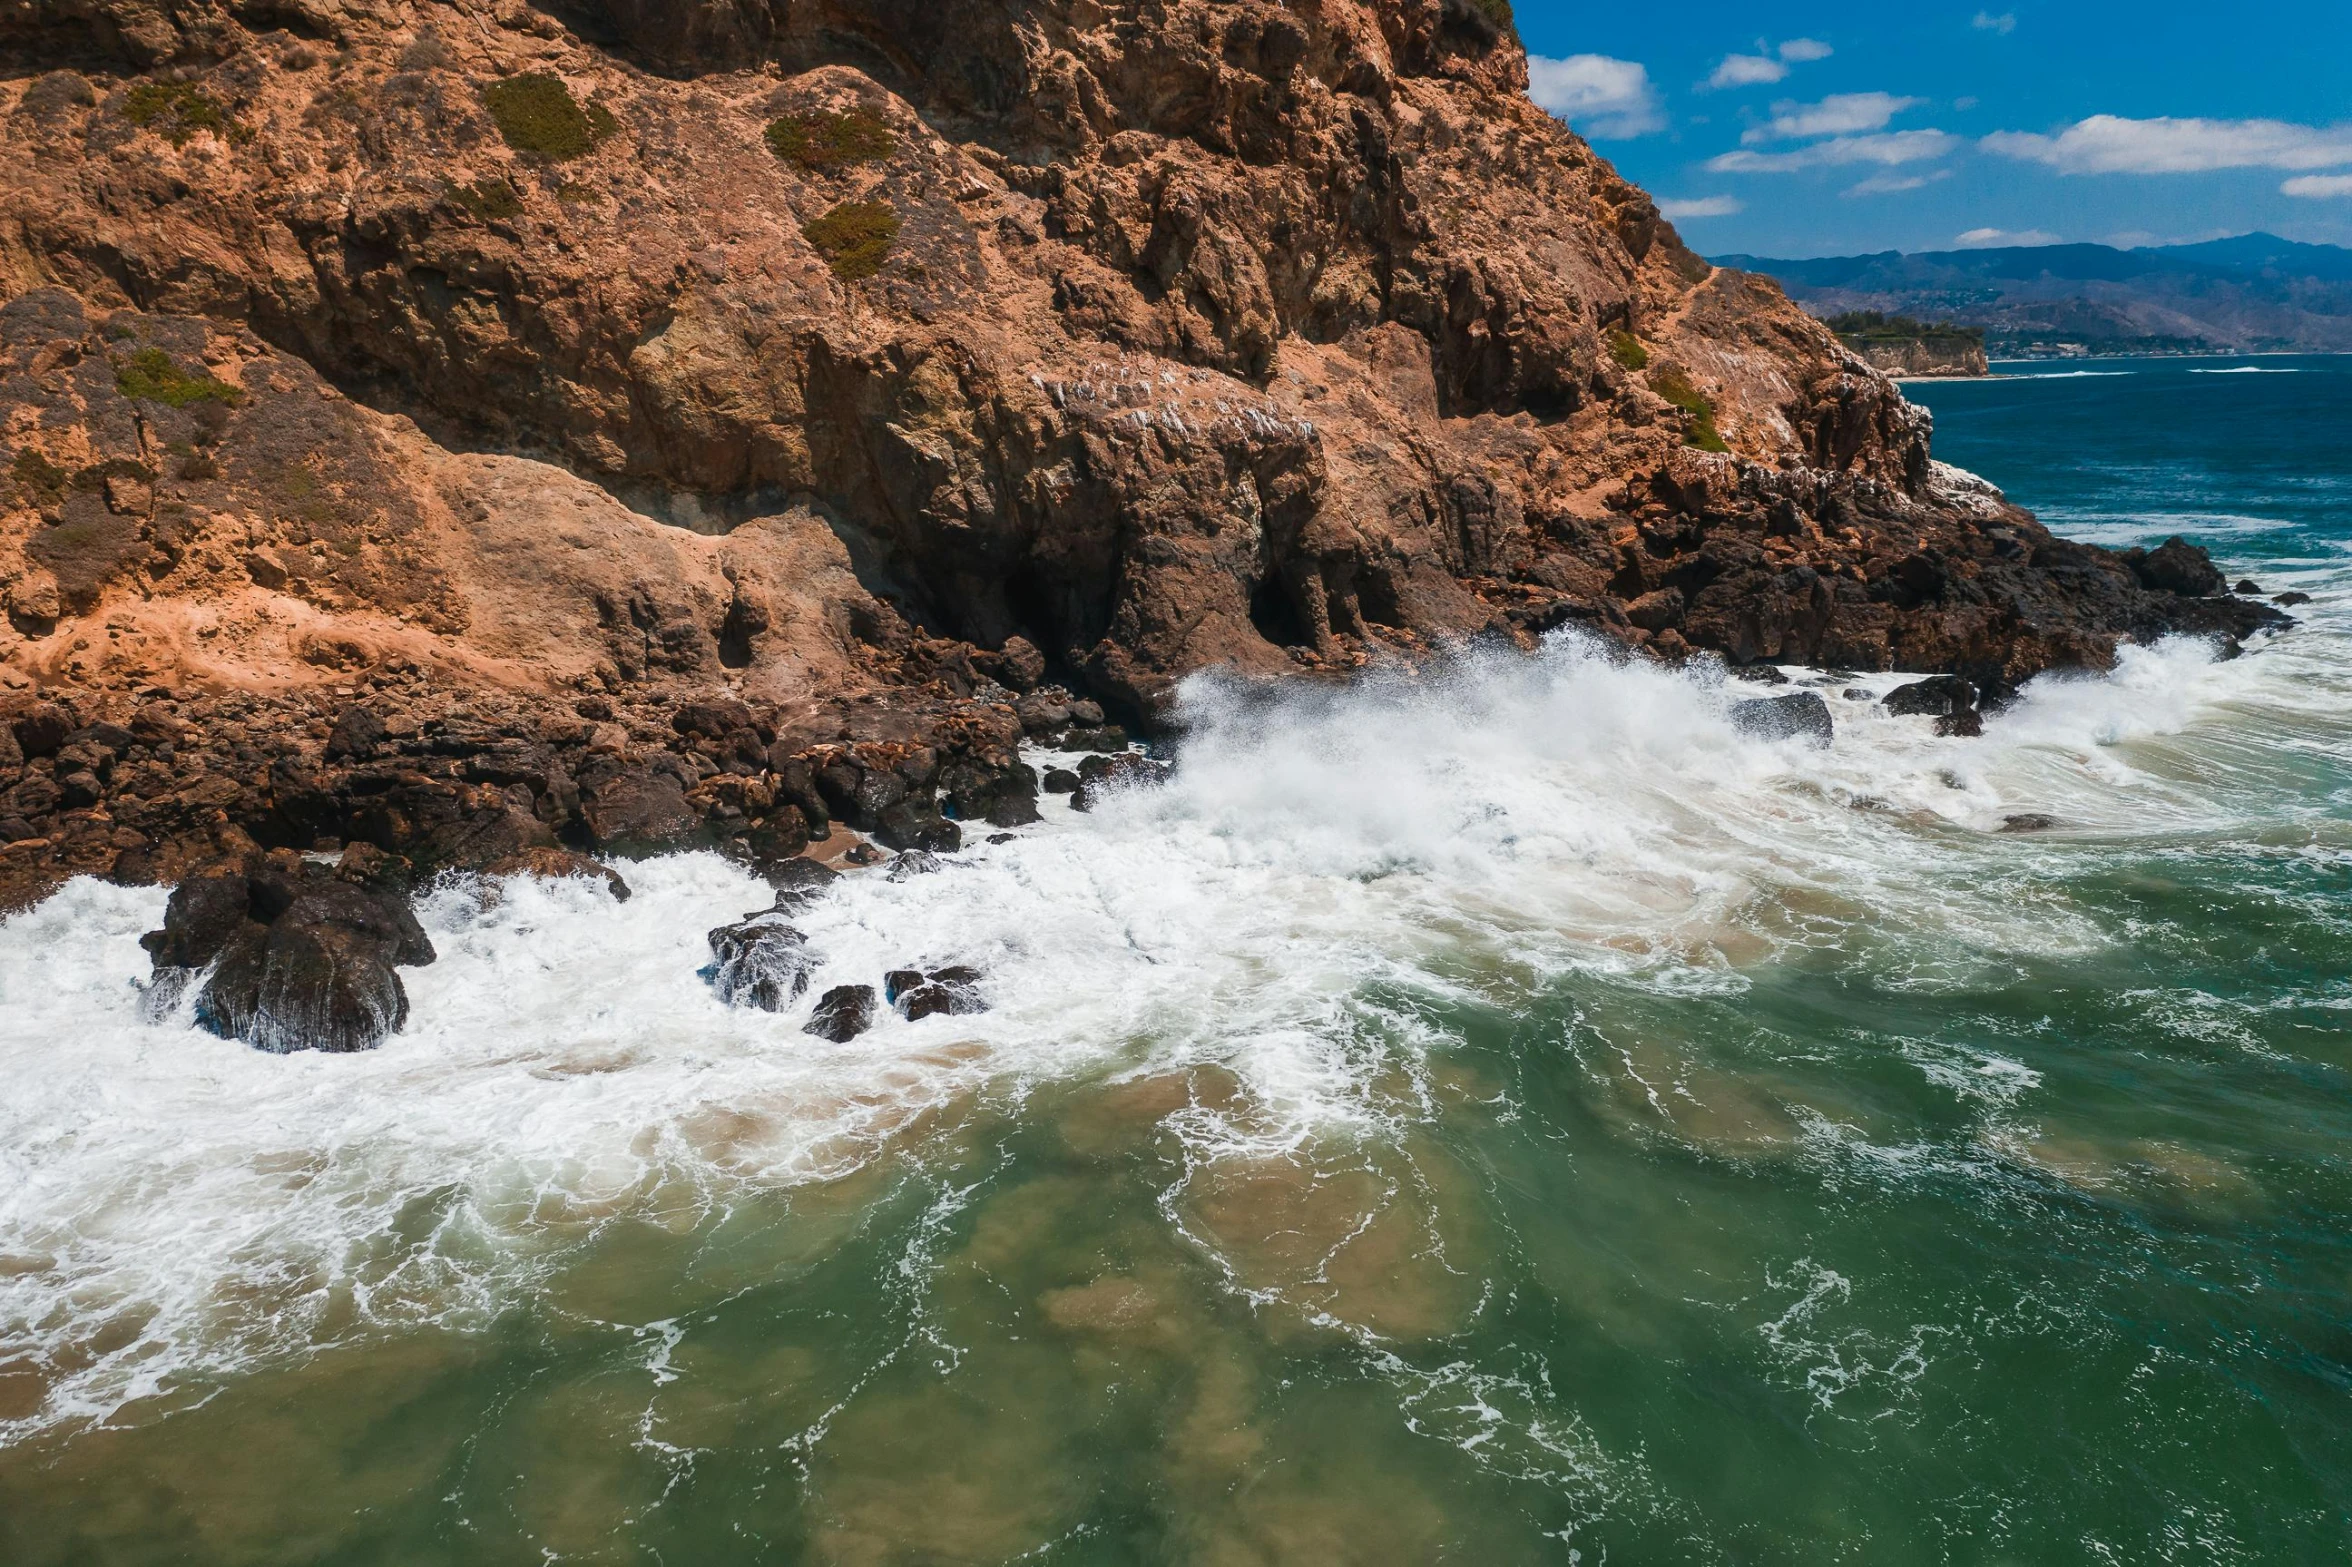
(2252, 293)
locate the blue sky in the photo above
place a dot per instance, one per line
(1829, 129)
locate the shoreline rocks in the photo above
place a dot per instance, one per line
(291, 956)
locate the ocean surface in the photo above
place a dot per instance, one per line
(1501, 1118)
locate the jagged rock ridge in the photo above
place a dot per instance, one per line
(626, 350)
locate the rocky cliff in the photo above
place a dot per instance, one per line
(513, 374)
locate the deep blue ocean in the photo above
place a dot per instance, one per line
(2250, 457)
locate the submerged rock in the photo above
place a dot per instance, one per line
(1800, 715)
(557, 864)
(842, 1013)
(953, 990)
(799, 881)
(2028, 821)
(298, 958)
(763, 962)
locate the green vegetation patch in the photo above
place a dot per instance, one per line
(1497, 12)
(1875, 326)
(151, 376)
(540, 118)
(821, 143)
(854, 238)
(488, 198)
(1676, 388)
(1627, 350)
(176, 111)
(38, 477)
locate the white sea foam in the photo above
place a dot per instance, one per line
(2251, 370)
(173, 1206)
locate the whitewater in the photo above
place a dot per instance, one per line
(1487, 1108)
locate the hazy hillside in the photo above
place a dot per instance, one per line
(2251, 292)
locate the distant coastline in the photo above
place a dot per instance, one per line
(2255, 293)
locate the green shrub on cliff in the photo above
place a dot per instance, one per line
(150, 375)
(38, 477)
(1676, 388)
(488, 198)
(1627, 350)
(176, 111)
(821, 143)
(854, 238)
(540, 118)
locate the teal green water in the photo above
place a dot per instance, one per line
(1512, 1119)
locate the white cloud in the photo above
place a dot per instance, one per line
(2111, 144)
(2318, 187)
(1701, 207)
(1746, 70)
(1799, 50)
(1968, 102)
(1890, 184)
(1839, 114)
(1986, 22)
(1888, 149)
(1601, 97)
(1979, 239)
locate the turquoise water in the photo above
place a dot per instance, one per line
(1509, 1117)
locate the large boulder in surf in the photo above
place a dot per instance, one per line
(290, 956)
(1801, 715)
(763, 961)
(1104, 775)
(1935, 697)
(842, 1013)
(2177, 566)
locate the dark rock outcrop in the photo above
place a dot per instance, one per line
(290, 956)
(842, 1013)
(762, 961)
(1799, 715)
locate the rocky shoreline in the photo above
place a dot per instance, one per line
(446, 437)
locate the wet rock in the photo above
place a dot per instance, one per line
(908, 826)
(1855, 694)
(899, 981)
(556, 865)
(799, 881)
(1100, 777)
(300, 959)
(863, 854)
(2028, 821)
(952, 991)
(1758, 674)
(1102, 737)
(1967, 724)
(763, 961)
(913, 863)
(1800, 715)
(1060, 780)
(1000, 793)
(2247, 585)
(2177, 566)
(1934, 697)
(2290, 599)
(842, 1013)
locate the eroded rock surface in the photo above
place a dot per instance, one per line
(805, 403)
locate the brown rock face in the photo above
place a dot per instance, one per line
(817, 350)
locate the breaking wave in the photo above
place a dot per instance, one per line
(174, 1206)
